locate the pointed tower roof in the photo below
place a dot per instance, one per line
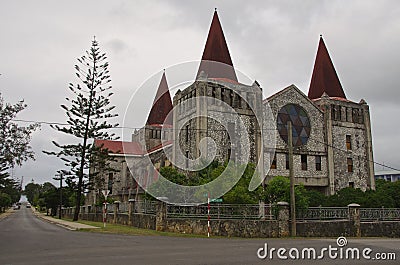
(162, 105)
(324, 77)
(216, 61)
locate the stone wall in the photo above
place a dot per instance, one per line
(380, 229)
(325, 228)
(228, 228)
(350, 227)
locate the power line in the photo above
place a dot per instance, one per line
(213, 130)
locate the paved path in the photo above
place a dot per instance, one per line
(66, 224)
(26, 239)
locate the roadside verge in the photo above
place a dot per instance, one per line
(63, 223)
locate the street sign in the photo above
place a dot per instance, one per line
(219, 200)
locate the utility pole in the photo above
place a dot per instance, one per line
(291, 176)
(60, 175)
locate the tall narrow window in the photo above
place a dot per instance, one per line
(110, 181)
(339, 113)
(318, 163)
(187, 159)
(334, 112)
(187, 133)
(231, 131)
(303, 162)
(355, 115)
(348, 142)
(229, 153)
(287, 161)
(349, 165)
(351, 184)
(273, 163)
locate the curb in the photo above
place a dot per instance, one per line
(57, 222)
(40, 216)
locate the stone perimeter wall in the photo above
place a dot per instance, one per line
(351, 227)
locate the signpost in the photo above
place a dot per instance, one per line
(105, 193)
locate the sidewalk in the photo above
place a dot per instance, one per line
(66, 224)
(7, 213)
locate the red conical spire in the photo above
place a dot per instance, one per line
(216, 61)
(162, 105)
(324, 78)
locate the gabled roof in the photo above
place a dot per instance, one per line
(162, 105)
(294, 88)
(120, 147)
(216, 61)
(324, 77)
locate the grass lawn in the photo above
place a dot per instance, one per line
(130, 230)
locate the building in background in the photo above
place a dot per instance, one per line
(388, 175)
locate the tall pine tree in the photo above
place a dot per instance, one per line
(88, 112)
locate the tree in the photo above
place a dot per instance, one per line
(32, 189)
(14, 139)
(14, 146)
(5, 201)
(278, 189)
(88, 113)
(240, 193)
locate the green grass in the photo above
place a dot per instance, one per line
(130, 230)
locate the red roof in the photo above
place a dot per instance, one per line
(216, 61)
(160, 146)
(120, 147)
(162, 105)
(336, 98)
(324, 77)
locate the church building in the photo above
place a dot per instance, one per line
(331, 134)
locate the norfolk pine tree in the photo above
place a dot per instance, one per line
(88, 113)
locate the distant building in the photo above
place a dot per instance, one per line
(388, 175)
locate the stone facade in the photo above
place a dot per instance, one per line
(337, 153)
(311, 176)
(223, 112)
(349, 141)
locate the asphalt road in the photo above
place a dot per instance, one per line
(25, 239)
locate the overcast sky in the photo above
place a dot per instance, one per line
(274, 42)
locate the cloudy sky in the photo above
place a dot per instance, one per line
(273, 42)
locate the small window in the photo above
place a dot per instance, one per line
(351, 184)
(349, 165)
(318, 163)
(348, 142)
(273, 163)
(303, 162)
(287, 161)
